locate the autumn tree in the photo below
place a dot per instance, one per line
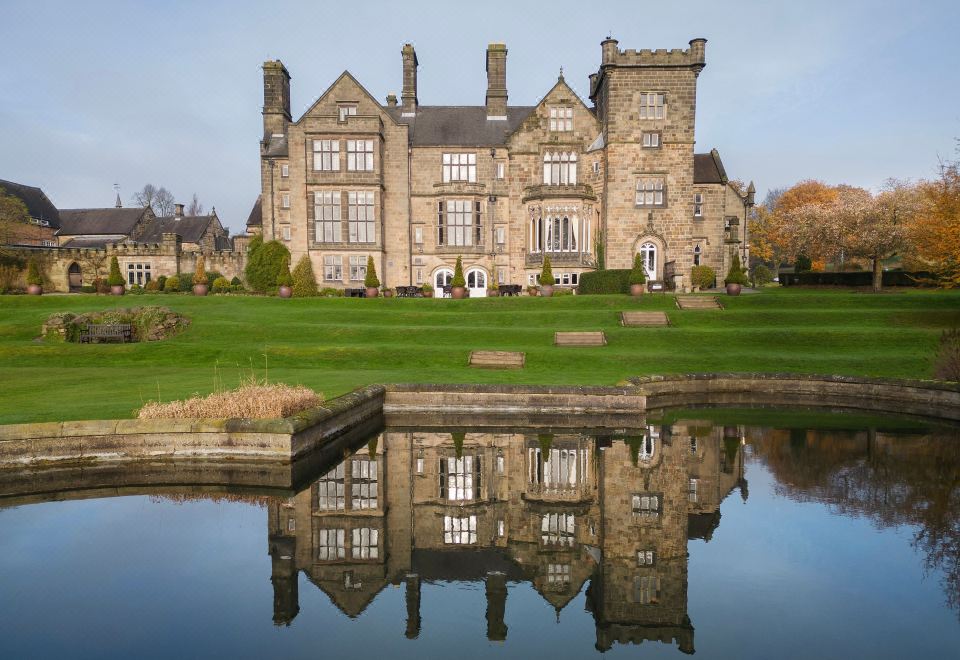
(159, 199)
(935, 230)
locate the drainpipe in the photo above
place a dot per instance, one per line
(409, 213)
(273, 212)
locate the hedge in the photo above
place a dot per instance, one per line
(856, 278)
(604, 281)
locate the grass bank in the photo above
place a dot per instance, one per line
(334, 345)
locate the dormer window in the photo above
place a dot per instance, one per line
(561, 118)
(560, 168)
(346, 110)
(651, 105)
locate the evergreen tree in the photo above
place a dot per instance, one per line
(304, 281)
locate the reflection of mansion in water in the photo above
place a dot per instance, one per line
(554, 510)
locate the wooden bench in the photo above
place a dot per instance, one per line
(579, 339)
(355, 293)
(496, 360)
(644, 319)
(95, 333)
(510, 289)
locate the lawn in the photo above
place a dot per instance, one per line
(334, 345)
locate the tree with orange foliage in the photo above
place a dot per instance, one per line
(935, 229)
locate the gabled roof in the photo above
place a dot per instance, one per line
(190, 228)
(255, 219)
(459, 125)
(708, 168)
(107, 222)
(38, 205)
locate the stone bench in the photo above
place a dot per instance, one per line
(579, 339)
(496, 360)
(644, 319)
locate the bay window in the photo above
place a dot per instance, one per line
(560, 168)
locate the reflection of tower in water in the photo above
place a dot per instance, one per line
(556, 510)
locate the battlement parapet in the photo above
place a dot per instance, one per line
(693, 57)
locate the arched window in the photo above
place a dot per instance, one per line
(696, 255)
(648, 255)
(442, 278)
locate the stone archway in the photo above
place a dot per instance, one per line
(652, 250)
(74, 277)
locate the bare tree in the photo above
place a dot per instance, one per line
(159, 199)
(195, 207)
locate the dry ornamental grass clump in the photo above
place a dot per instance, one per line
(252, 400)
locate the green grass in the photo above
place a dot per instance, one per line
(335, 345)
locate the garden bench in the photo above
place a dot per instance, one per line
(355, 293)
(409, 292)
(580, 339)
(510, 289)
(497, 359)
(95, 333)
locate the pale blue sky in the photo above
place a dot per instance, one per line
(97, 93)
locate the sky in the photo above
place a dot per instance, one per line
(98, 93)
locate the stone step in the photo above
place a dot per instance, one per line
(698, 302)
(497, 360)
(579, 339)
(644, 319)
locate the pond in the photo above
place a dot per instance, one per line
(722, 532)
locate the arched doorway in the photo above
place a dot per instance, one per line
(442, 278)
(648, 256)
(75, 276)
(476, 283)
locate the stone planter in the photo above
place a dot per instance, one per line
(428, 294)
(636, 290)
(372, 292)
(546, 290)
(200, 289)
(388, 293)
(733, 289)
(117, 290)
(458, 292)
(34, 289)
(285, 292)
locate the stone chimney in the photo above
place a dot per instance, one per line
(276, 98)
(178, 210)
(409, 95)
(497, 81)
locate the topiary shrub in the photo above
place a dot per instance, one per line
(458, 278)
(172, 285)
(735, 275)
(304, 281)
(284, 278)
(371, 281)
(638, 274)
(602, 282)
(546, 273)
(703, 276)
(115, 279)
(199, 273)
(264, 263)
(33, 273)
(761, 275)
(161, 281)
(221, 285)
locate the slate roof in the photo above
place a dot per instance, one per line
(223, 244)
(467, 126)
(255, 219)
(708, 168)
(276, 145)
(190, 228)
(108, 221)
(38, 205)
(89, 242)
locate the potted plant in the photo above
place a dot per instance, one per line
(493, 290)
(371, 281)
(116, 279)
(285, 281)
(736, 278)
(458, 283)
(387, 292)
(638, 277)
(34, 279)
(546, 278)
(427, 290)
(200, 280)
(532, 291)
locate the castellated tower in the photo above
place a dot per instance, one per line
(646, 101)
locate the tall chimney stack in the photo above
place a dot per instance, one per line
(409, 95)
(178, 210)
(276, 98)
(497, 81)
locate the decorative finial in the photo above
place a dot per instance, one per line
(561, 74)
(118, 203)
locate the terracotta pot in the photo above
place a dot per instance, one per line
(372, 292)
(546, 290)
(117, 290)
(637, 290)
(34, 289)
(428, 294)
(200, 289)
(285, 292)
(532, 293)
(388, 293)
(733, 289)
(458, 292)
(493, 293)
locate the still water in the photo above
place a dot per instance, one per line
(826, 537)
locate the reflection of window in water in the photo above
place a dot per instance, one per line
(460, 530)
(558, 574)
(646, 506)
(291, 524)
(646, 590)
(646, 557)
(648, 444)
(364, 483)
(693, 445)
(330, 544)
(364, 544)
(460, 478)
(692, 490)
(557, 469)
(349, 582)
(557, 529)
(330, 490)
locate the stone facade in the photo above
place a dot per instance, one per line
(499, 185)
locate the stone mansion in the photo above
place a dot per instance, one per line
(415, 186)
